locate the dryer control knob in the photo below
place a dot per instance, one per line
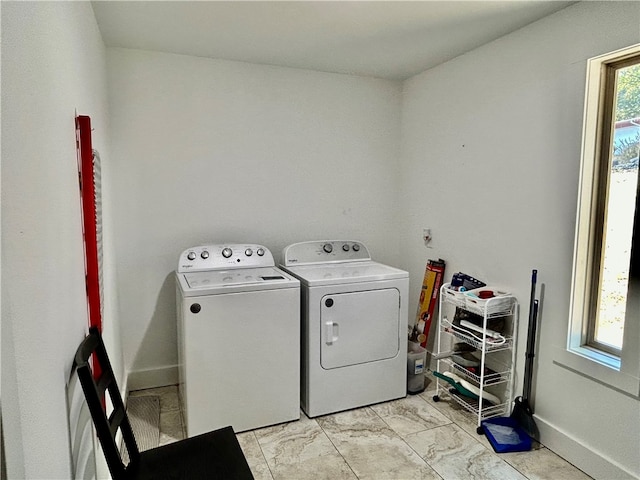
(191, 255)
(327, 247)
(248, 252)
(260, 252)
(345, 247)
(204, 254)
(195, 308)
(356, 247)
(227, 252)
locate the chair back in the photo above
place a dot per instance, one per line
(106, 424)
(82, 441)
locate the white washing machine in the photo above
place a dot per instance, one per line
(354, 326)
(238, 338)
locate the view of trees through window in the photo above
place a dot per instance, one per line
(621, 206)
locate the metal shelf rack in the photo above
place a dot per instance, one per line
(496, 354)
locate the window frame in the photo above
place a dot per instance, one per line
(607, 118)
(619, 370)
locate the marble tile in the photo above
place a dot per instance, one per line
(458, 415)
(455, 454)
(408, 438)
(461, 417)
(169, 398)
(301, 449)
(543, 464)
(410, 415)
(325, 467)
(300, 440)
(372, 449)
(253, 453)
(171, 427)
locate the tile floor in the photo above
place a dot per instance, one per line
(409, 438)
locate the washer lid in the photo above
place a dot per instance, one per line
(340, 273)
(234, 280)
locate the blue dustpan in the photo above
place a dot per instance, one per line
(506, 435)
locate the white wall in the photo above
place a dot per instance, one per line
(491, 155)
(210, 151)
(53, 63)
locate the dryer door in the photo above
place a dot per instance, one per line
(359, 327)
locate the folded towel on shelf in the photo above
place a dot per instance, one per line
(465, 388)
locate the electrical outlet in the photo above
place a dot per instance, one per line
(426, 236)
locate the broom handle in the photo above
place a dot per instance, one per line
(531, 338)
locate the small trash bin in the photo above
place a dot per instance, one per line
(416, 359)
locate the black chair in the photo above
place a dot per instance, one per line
(213, 455)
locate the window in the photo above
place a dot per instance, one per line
(617, 196)
(605, 304)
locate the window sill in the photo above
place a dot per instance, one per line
(598, 356)
(599, 367)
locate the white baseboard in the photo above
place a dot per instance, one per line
(123, 385)
(152, 378)
(589, 461)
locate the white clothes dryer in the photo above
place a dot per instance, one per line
(238, 338)
(353, 326)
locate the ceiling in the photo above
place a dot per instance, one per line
(385, 39)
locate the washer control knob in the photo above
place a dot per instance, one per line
(195, 308)
(356, 247)
(345, 247)
(227, 252)
(327, 247)
(204, 254)
(191, 255)
(260, 252)
(248, 252)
